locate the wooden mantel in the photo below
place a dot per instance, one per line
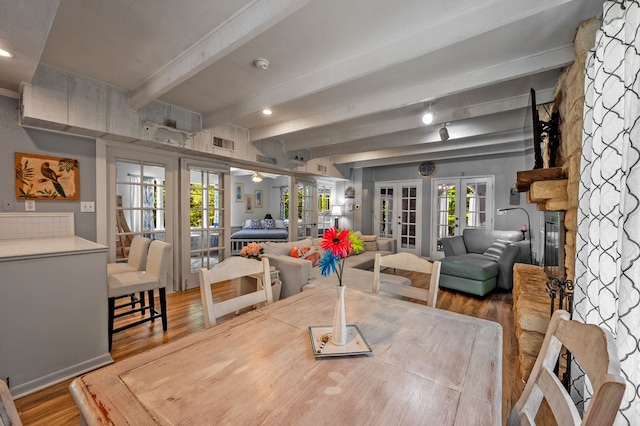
(547, 188)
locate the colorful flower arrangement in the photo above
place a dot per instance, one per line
(338, 245)
(252, 251)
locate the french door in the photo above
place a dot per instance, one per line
(203, 219)
(458, 204)
(398, 213)
(140, 201)
(307, 218)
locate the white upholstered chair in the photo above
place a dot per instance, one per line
(136, 260)
(594, 349)
(407, 262)
(154, 276)
(233, 268)
(8, 412)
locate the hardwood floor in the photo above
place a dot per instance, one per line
(55, 406)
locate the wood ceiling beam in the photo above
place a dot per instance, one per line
(472, 130)
(545, 61)
(324, 139)
(484, 17)
(228, 36)
(506, 146)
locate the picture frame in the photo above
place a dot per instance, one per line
(42, 177)
(238, 192)
(248, 204)
(258, 198)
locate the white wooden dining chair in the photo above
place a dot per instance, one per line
(155, 276)
(407, 262)
(136, 261)
(8, 411)
(594, 349)
(232, 268)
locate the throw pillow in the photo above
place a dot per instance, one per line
(255, 224)
(247, 224)
(370, 242)
(280, 224)
(312, 254)
(269, 224)
(497, 248)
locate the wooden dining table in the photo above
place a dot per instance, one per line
(427, 366)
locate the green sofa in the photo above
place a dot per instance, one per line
(471, 266)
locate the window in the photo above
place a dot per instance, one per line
(140, 203)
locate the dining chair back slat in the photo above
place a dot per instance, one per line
(594, 350)
(408, 262)
(232, 268)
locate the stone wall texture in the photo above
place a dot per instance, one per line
(531, 303)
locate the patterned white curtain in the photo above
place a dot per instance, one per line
(607, 275)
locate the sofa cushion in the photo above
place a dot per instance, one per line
(476, 267)
(496, 249)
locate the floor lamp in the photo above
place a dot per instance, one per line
(529, 228)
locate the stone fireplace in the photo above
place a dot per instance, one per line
(553, 189)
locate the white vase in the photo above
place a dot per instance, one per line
(339, 333)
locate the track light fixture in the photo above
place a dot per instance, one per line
(427, 118)
(444, 133)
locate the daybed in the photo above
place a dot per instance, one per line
(259, 230)
(480, 260)
(298, 273)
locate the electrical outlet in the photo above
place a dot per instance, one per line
(87, 206)
(30, 205)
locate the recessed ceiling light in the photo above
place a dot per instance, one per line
(267, 111)
(5, 53)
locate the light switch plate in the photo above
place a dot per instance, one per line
(87, 206)
(30, 205)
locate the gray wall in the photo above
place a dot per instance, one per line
(503, 167)
(14, 138)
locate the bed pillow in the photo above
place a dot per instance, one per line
(496, 249)
(255, 224)
(269, 224)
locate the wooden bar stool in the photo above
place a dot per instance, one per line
(153, 277)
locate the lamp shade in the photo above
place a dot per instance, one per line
(336, 211)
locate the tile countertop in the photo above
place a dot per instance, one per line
(18, 249)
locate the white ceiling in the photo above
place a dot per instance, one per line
(347, 78)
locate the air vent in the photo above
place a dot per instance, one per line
(223, 143)
(322, 168)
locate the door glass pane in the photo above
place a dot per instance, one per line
(140, 203)
(385, 212)
(445, 212)
(408, 216)
(206, 213)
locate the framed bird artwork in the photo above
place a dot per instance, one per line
(46, 178)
